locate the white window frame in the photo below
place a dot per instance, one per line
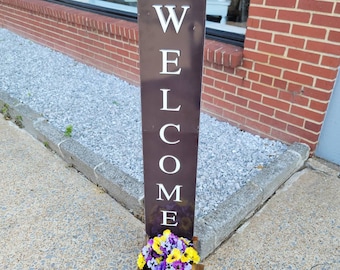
(132, 9)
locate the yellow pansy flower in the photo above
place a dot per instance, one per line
(196, 258)
(156, 246)
(190, 254)
(166, 232)
(186, 241)
(165, 235)
(159, 259)
(141, 261)
(175, 255)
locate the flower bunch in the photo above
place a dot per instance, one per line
(168, 251)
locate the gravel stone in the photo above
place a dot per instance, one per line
(104, 112)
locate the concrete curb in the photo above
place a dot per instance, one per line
(123, 188)
(213, 229)
(217, 226)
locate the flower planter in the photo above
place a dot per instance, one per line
(168, 251)
(194, 267)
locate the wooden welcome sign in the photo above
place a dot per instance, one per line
(171, 39)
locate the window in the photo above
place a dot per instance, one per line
(226, 19)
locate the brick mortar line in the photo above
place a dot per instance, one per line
(299, 69)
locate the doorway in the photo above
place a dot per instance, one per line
(329, 141)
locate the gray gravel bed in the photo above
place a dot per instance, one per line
(105, 114)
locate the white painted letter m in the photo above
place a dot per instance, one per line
(176, 190)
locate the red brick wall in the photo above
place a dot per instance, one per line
(280, 89)
(291, 59)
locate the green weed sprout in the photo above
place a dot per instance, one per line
(68, 131)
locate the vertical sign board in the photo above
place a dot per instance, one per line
(171, 39)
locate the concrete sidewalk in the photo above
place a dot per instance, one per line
(298, 228)
(52, 217)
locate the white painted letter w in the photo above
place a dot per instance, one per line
(172, 16)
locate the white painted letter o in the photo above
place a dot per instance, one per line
(177, 167)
